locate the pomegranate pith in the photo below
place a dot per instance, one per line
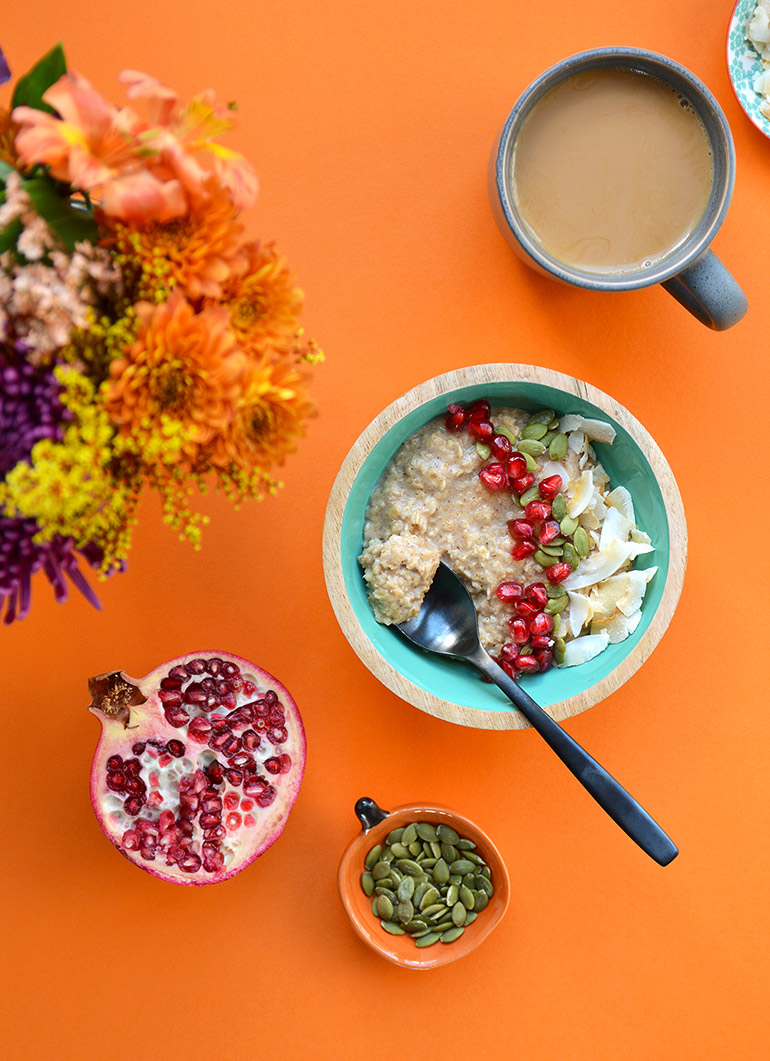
(166, 788)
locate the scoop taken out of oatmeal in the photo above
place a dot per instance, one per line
(398, 572)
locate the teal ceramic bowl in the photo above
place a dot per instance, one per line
(450, 689)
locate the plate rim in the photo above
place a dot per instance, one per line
(741, 12)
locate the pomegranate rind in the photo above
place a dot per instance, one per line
(121, 730)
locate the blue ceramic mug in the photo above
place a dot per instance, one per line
(691, 272)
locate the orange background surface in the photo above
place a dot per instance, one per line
(370, 125)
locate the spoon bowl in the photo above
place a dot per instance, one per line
(448, 625)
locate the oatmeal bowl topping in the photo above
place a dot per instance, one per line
(553, 505)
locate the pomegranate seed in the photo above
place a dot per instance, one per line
(165, 759)
(199, 730)
(544, 657)
(481, 430)
(217, 741)
(523, 483)
(516, 466)
(235, 777)
(208, 821)
(285, 761)
(232, 745)
(154, 779)
(542, 623)
(235, 684)
(509, 592)
(232, 799)
(166, 820)
(211, 803)
(525, 609)
(133, 805)
(196, 666)
(171, 683)
(509, 652)
(278, 735)
(130, 840)
(233, 821)
(524, 549)
(537, 511)
(536, 592)
(456, 418)
(527, 664)
(116, 780)
(501, 447)
(185, 827)
(494, 477)
(253, 786)
(215, 773)
(521, 528)
(115, 762)
(558, 572)
(509, 668)
(272, 766)
(230, 669)
(154, 799)
(175, 748)
(240, 761)
(246, 804)
(276, 716)
(137, 749)
(249, 688)
(195, 694)
(170, 696)
(479, 410)
(209, 685)
(548, 531)
(264, 799)
(540, 641)
(135, 786)
(214, 665)
(132, 766)
(214, 832)
(179, 673)
(249, 821)
(191, 863)
(519, 631)
(176, 716)
(550, 487)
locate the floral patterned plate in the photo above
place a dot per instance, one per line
(743, 64)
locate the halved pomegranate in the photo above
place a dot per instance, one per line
(198, 765)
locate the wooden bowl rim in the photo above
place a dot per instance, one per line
(503, 372)
(400, 949)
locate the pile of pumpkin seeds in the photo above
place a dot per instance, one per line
(426, 881)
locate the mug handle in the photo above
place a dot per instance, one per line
(709, 292)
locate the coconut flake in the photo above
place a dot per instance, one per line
(554, 468)
(581, 494)
(576, 441)
(616, 528)
(580, 611)
(599, 430)
(607, 595)
(598, 567)
(584, 648)
(621, 499)
(618, 628)
(636, 587)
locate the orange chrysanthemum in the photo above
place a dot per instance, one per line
(201, 251)
(183, 369)
(269, 418)
(264, 302)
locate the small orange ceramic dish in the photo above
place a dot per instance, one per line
(376, 824)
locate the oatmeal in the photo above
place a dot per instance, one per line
(520, 507)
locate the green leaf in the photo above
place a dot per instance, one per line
(9, 235)
(30, 88)
(72, 223)
(5, 170)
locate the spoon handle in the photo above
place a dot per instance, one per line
(607, 792)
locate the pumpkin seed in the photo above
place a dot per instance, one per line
(568, 524)
(373, 857)
(405, 911)
(392, 928)
(559, 650)
(557, 449)
(570, 556)
(374, 905)
(408, 865)
(452, 934)
(483, 450)
(446, 834)
(441, 872)
(481, 884)
(458, 914)
(533, 431)
(553, 549)
(530, 495)
(399, 850)
(419, 892)
(367, 883)
(510, 435)
(415, 847)
(544, 559)
(396, 875)
(387, 855)
(480, 900)
(531, 463)
(380, 890)
(465, 845)
(542, 416)
(455, 878)
(428, 863)
(462, 866)
(426, 831)
(556, 622)
(442, 926)
(554, 424)
(559, 507)
(384, 907)
(416, 926)
(406, 889)
(409, 834)
(435, 849)
(428, 940)
(381, 871)
(429, 897)
(433, 910)
(452, 895)
(581, 542)
(420, 857)
(470, 918)
(394, 836)
(557, 604)
(466, 896)
(548, 437)
(531, 446)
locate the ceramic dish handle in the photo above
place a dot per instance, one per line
(369, 814)
(709, 292)
(608, 793)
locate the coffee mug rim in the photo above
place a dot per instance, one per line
(623, 281)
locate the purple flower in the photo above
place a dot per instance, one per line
(30, 409)
(5, 73)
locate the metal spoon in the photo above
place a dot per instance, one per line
(447, 624)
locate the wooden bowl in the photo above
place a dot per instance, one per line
(376, 824)
(452, 690)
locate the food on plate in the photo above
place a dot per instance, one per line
(520, 506)
(758, 34)
(426, 881)
(198, 765)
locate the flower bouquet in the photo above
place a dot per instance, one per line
(144, 342)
